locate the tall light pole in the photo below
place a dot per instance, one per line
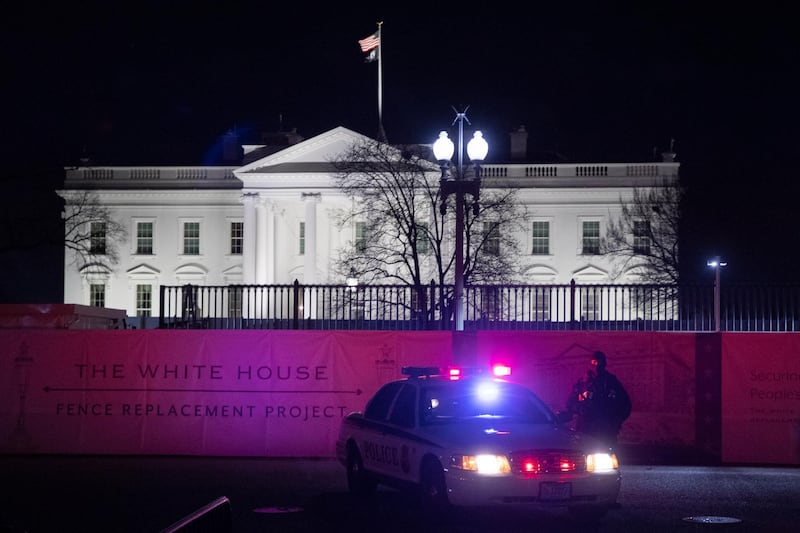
(460, 185)
(717, 265)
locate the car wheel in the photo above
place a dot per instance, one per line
(433, 490)
(359, 482)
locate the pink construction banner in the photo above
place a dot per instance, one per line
(284, 393)
(761, 398)
(225, 393)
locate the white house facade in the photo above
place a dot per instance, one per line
(274, 220)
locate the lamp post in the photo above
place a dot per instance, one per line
(355, 307)
(460, 185)
(717, 265)
(352, 281)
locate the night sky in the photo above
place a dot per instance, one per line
(161, 82)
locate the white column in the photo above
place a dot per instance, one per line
(249, 239)
(310, 257)
(269, 240)
(261, 241)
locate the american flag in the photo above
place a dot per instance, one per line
(368, 43)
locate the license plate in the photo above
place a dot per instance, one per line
(550, 492)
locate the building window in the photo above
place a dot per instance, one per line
(641, 237)
(361, 237)
(541, 238)
(302, 238)
(490, 303)
(491, 238)
(591, 237)
(191, 238)
(144, 238)
(419, 300)
(144, 300)
(234, 302)
(591, 304)
(97, 295)
(97, 238)
(541, 304)
(237, 237)
(423, 242)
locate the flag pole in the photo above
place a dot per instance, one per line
(381, 131)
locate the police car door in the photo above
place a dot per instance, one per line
(373, 440)
(390, 419)
(400, 438)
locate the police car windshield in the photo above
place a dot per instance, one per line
(463, 400)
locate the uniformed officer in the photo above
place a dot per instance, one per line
(599, 403)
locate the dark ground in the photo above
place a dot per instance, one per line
(42, 493)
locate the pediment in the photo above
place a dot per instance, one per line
(233, 275)
(143, 269)
(95, 269)
(590, 273)
(235, 270)
(191, 269)
(311, 155)
(541, 273)
(635, 274)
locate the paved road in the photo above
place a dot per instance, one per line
(147, 494)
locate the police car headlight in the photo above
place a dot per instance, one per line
(601, 462)
(482, 464)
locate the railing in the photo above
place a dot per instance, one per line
(638, 307)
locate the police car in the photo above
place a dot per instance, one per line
(474, 440)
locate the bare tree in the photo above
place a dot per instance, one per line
(645, 236)
(403, 237)
(90, 232)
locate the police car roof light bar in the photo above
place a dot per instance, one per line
(500, 370)
(419, 371)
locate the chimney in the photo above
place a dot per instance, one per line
(519, 144)
(293, 137)
(231, 151)
(669, 157)
(281, 138)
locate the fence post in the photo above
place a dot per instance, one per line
(161, 290)
(572, 304)
(296, 317)
(432, 305)
(188, 305)
(443, 310)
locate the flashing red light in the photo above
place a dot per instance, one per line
(501, 370)
(566, 465)
(454, 373)
(531, 466)
(536, 465)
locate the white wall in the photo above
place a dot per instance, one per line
(562, 194)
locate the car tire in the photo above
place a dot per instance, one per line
(432, 486)
(359, 482)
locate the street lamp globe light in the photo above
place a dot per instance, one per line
(443, 148)
(477, 147)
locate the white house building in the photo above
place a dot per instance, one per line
(273, 220)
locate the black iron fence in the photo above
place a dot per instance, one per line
(638, 307)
